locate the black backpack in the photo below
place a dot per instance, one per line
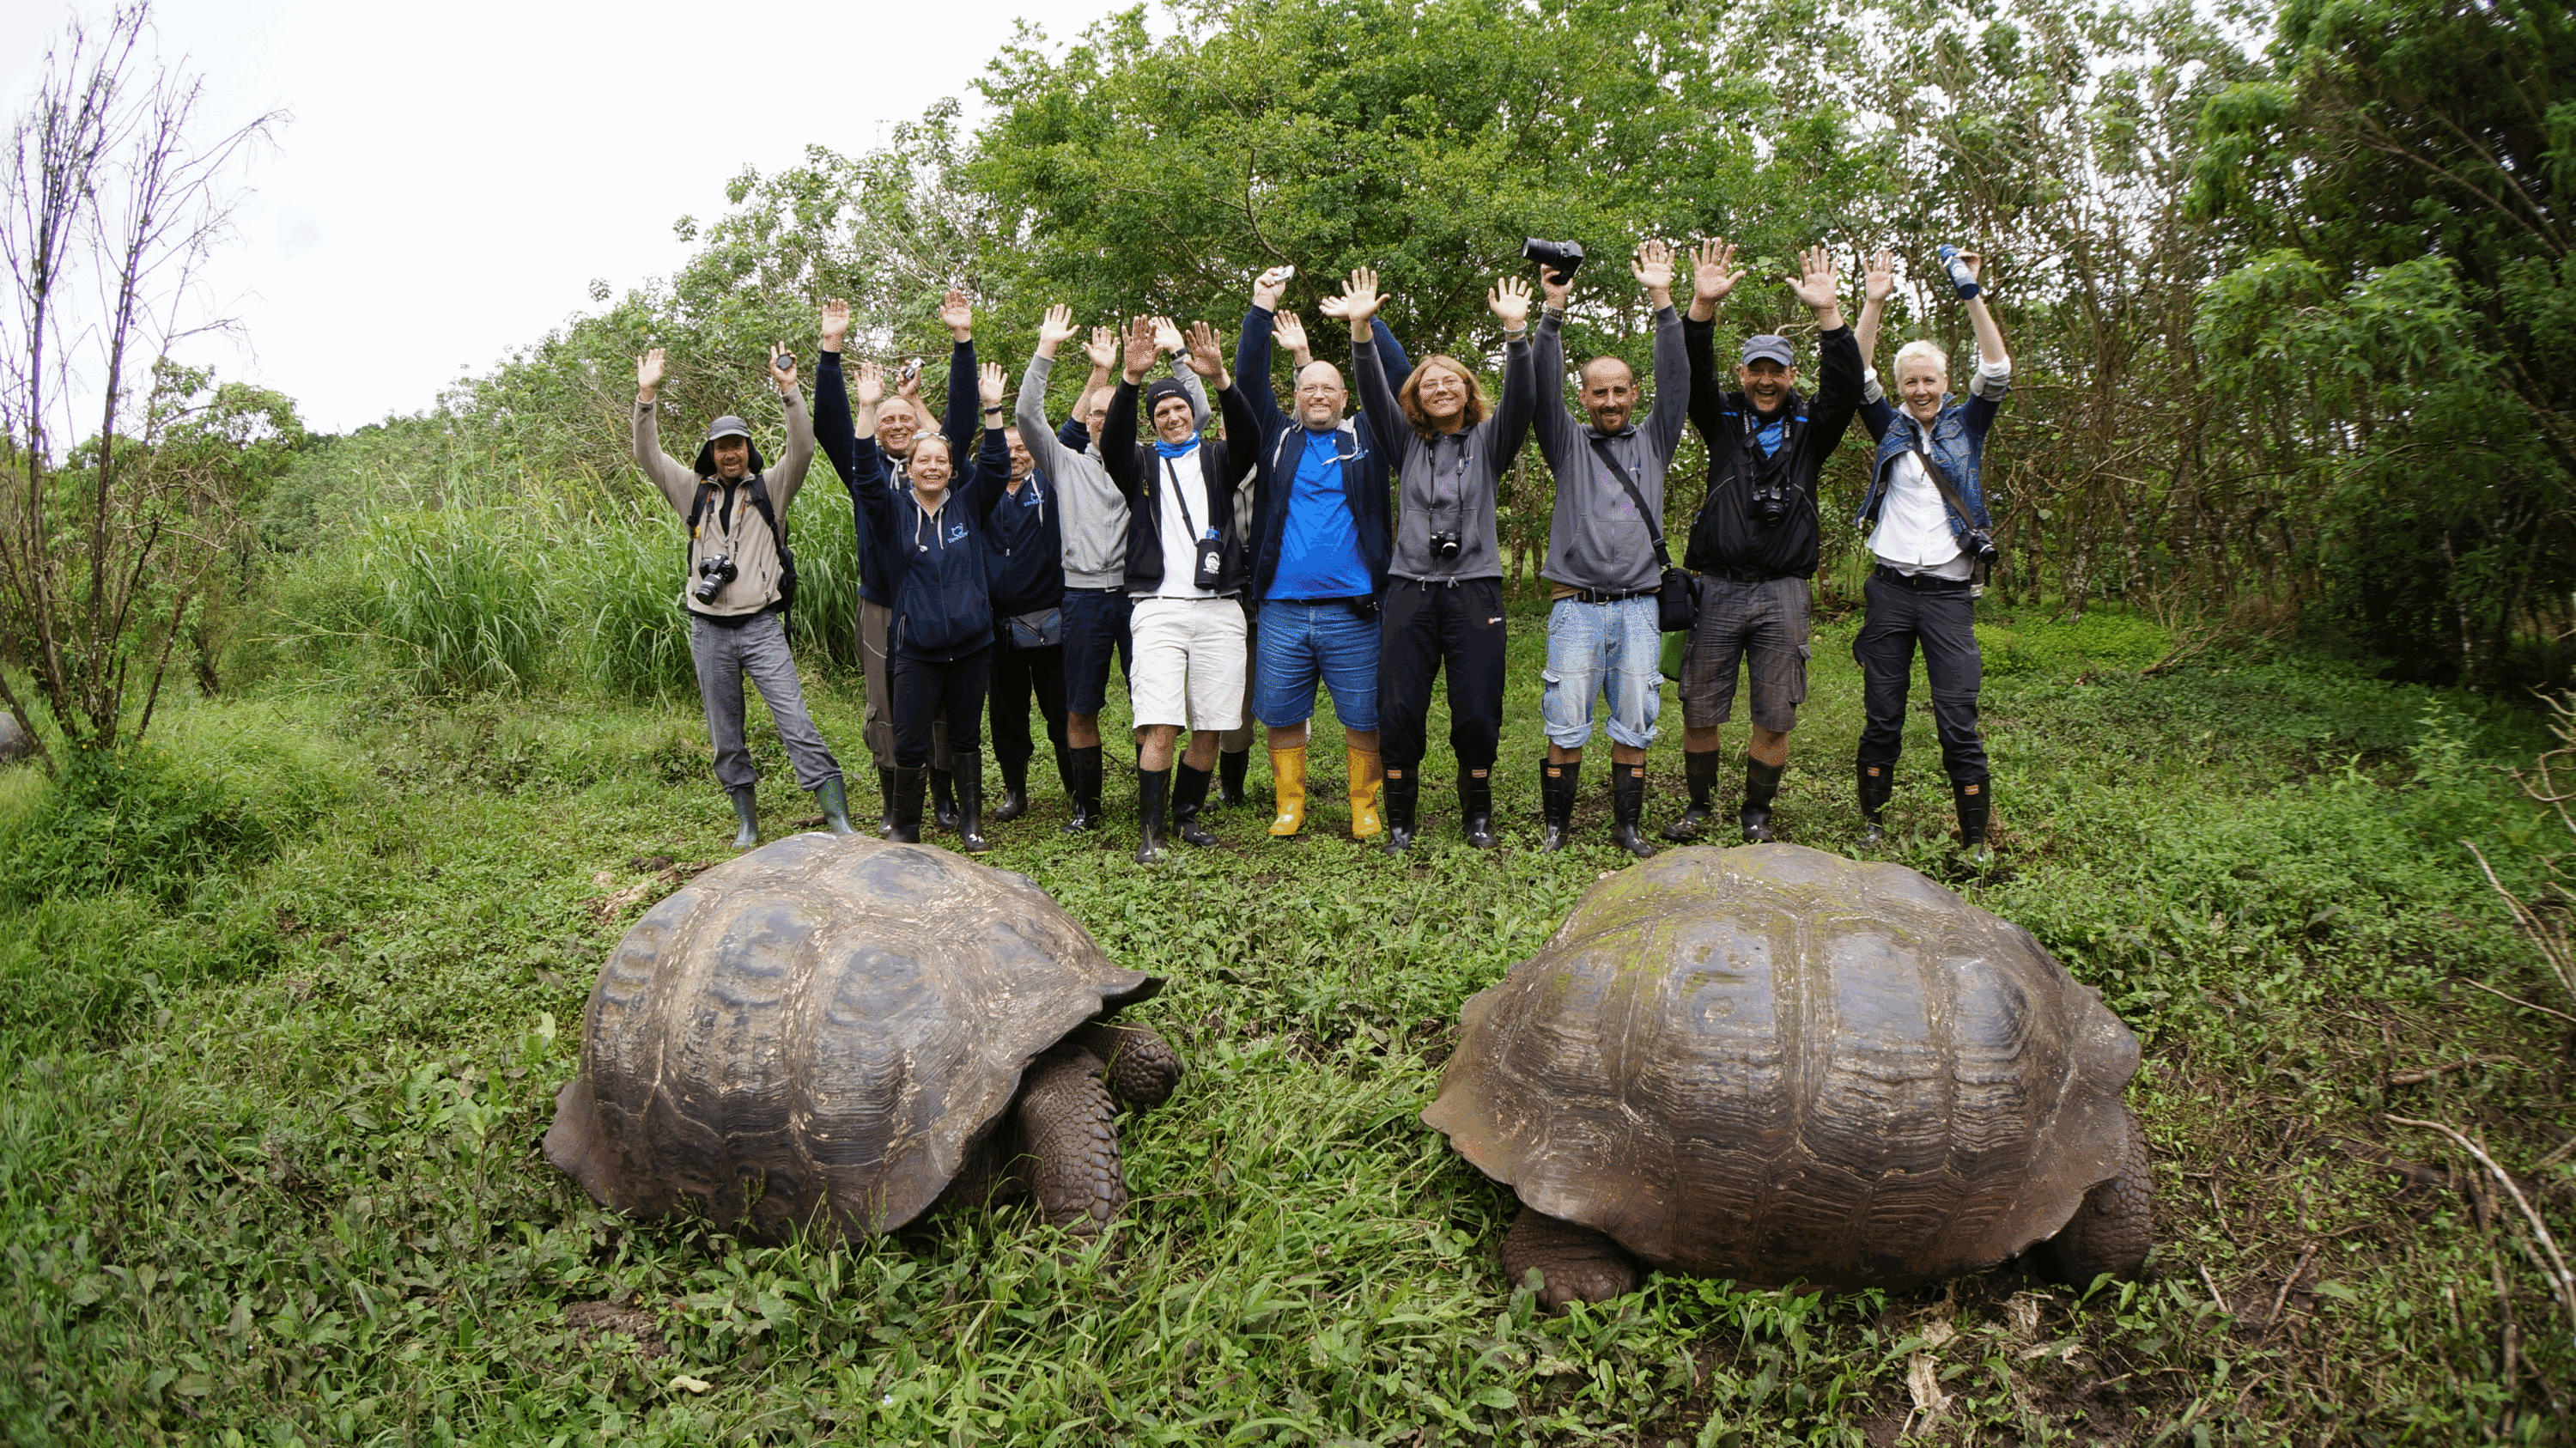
(777, 530)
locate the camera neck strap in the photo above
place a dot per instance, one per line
(1950, 495)
(1601, 448)
(1180, 494)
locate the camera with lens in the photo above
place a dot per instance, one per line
(1560, 257)
(1444, 546)
(713, 574)
(1766, 493)
(1981, 548)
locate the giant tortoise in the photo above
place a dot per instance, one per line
(1776, 1065)
(843, 1033)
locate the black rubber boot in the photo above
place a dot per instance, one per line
(1975, 798)
(1556, 786)
(885, 798)
(1230, 769)
(1015, 792)
(1189, 797)
(1761, 785)
(1064, 770)
(1699, 769)
(970, 802)
(1403, 793)
(1627, 807)
(943, 798)
(906, 829)
(746, 812)
(1082, 785)
(1476, 807)
(1877, 785)
(1153, 792)
(834, 797)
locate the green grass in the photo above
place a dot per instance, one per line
(268, 1166)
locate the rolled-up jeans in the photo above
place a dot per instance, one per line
(757, 650)
(1611, 651)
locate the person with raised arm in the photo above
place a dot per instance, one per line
(1094, 531)
(1925, 514)
(1754, 544)
(1319, 561)
(1602, 638)
(1443, 606)
(900, 425)
(1182, 578)
(1024, 566)
(926, 541)
(736, 592)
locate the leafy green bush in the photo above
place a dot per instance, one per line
(130, 820)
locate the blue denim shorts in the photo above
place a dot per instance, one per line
(1603, 650)
(1302, 642)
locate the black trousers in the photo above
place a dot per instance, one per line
(1018, 674)
(1940, 614)
(1424, 627)
(925, 691)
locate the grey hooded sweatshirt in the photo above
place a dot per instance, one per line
(1094, 511)
(1596, 539)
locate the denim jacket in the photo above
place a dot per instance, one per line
(1957, 447)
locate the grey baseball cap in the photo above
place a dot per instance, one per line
(1769, 347)
(728, 426)
(725, 426)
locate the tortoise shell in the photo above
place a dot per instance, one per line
(1774, 1064)
(821, 1030)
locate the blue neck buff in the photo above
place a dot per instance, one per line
(1171, 450)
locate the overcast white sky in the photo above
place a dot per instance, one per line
(454, 174)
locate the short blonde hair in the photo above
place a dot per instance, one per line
(1923, 348)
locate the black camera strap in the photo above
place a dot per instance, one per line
(1601, 448)
(759, 497)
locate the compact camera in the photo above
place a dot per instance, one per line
(1444, 546)
(713, 574)
(1560, 257)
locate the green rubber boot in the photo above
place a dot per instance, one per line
(746, 808)
(834, 797)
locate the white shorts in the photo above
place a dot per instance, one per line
(1189, 662)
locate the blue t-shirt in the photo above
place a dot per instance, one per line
(1319, 553)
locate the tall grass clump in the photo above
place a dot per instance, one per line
(128, 819)
(454, 600)
(827, 571)
(618, 589)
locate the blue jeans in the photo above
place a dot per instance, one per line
(1603, 650)
(1303, 641)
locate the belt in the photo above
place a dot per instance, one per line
(1343, 600)
(1742, 575)
(1612, 595)
(1103, 591)
(1922, 582)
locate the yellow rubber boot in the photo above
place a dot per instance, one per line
(1288, 781)
(1368, 775)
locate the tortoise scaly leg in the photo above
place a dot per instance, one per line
(1573, 1262)
(1141, 1067)
(2113, 1228)
(1065, 1117)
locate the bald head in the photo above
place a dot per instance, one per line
(898, 423)
(1321, 397)
(1609, 393)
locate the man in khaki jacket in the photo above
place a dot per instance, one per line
(736, 591)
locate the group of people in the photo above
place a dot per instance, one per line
(1006, 561)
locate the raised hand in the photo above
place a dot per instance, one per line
(1554, 285)
(1820, 286)
(1102, 349)
(1878, 280)
(782, 368)
(1167, 335)
(1713, 272)
(1510, 302)
(648, 374)
(871, 385)
(1653, 269)
(834, 320)
(1141, 350)
(1290, 330)
(958, 315)
(1358, 302)
(1975, 263)
(1206, 358)
(992, 384)
(1270, 286)
(1053, 328)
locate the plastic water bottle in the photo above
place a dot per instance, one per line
(1960, 277)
